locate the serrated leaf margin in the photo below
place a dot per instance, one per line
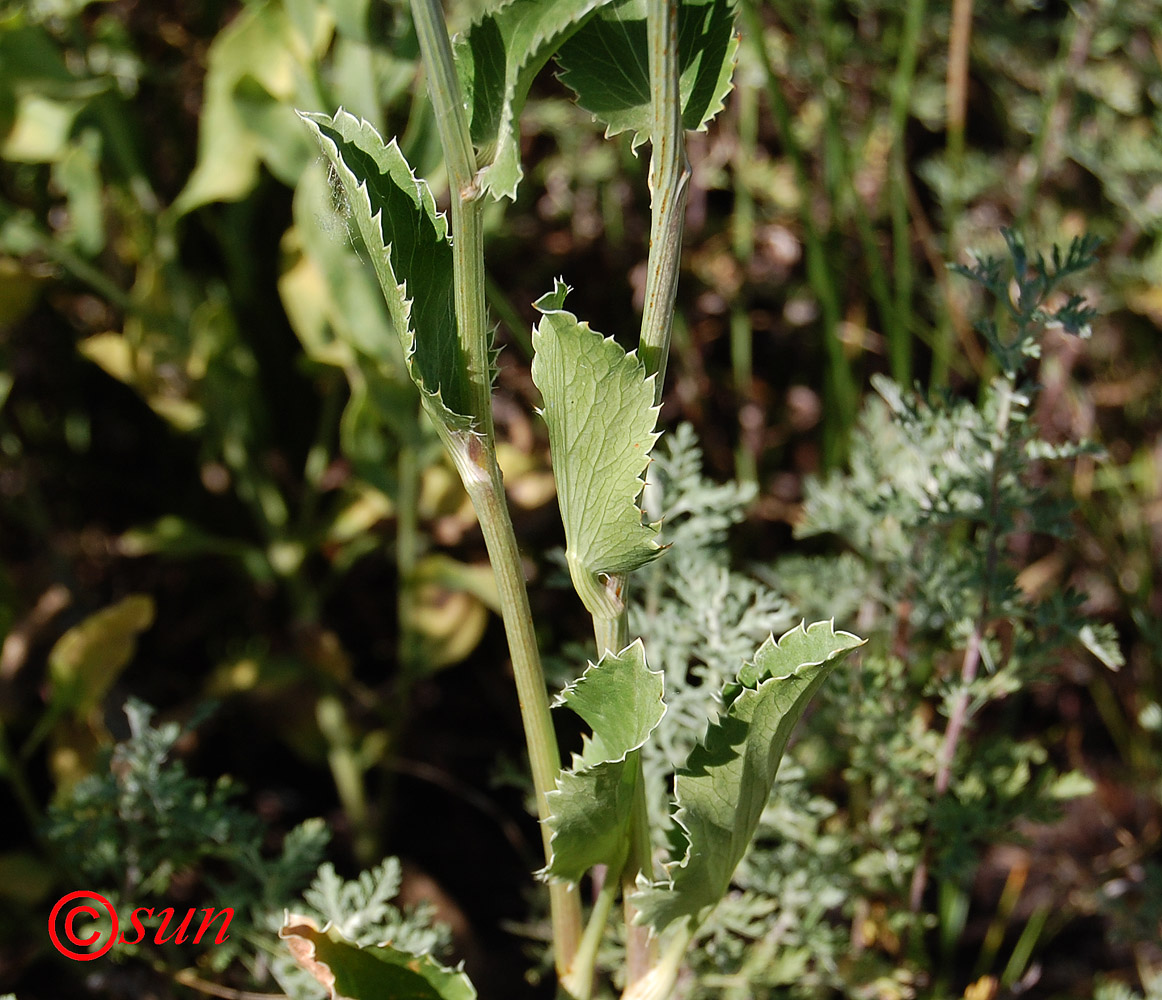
(585, 566)
(392, 163)
(674, 867)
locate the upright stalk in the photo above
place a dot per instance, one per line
(475, 454)
(669, 183)
(970, 663)
(742, 242)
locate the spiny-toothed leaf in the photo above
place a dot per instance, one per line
(409, 246)
(496, 60)
(621, 700)
(606, 63)
(599, 406)
(726, 782)
(381, 972)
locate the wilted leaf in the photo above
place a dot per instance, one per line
(89, 657)
(40, 131)
(246, 116)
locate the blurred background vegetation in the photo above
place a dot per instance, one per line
(216, 486)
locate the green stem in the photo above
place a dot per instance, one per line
(612, 634)
(956, 88)
(407, 544)
(467, 206)
(659, 984)
(474, 454)
(12, 768)
(579, 982)
(29, 232)
(1071, 58)
(482, 479)
(742, 242)
(669, 185)
(347, 774)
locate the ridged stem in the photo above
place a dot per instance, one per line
(474, 454)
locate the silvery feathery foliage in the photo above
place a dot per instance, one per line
(922, 523)
(701, 617)
(141, 820)
(362, 910)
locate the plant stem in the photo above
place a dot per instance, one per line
(580, 981)
(407, 539)
(662, 978)
(742, 242)
(1071, 58)
(482, 479)
(474, 454)
(611, 634)
(467, 207)
(669, 183)
(971, 662)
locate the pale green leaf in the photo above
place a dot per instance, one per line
(1102, 641)
(606, 63)
(724, 787)
(599, 407)
(408, 243)
(381, 972)
(620, 699)
(41, 129)
(89, 657)
(1071, 785)
(251, 73)
(496, 60)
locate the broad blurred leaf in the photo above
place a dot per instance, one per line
(252, 81)
(348, 972)
(621, 700)
(89, 657)
(727, 780)
(446, 612)
(78, 174)
(599, 407)
(40, 130)
(606, 63)
(497, 59)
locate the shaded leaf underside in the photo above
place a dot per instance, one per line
(496, 60)
(606, 64)
(382, 972)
